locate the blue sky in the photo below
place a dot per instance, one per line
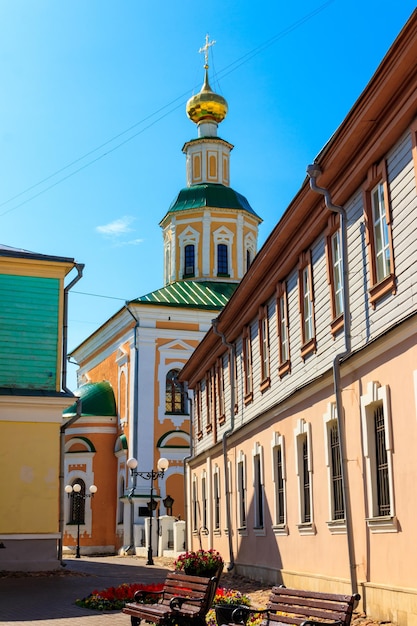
(92, 119)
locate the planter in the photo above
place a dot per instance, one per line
(226, 612)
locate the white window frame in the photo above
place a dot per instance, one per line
(335, 526)
(217, 491)
(189, 236)
(302, 430)
(377, 394)
(225, 236)
(278, 443)
(241, 494)
(258, 490)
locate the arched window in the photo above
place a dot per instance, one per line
(222, 260)
(77, 506)
(174, 394)
(189, 260)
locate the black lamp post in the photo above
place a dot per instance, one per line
(162, 465)
(75, 492)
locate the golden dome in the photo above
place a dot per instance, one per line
(206, 105)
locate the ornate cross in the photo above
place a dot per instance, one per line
(205, 49)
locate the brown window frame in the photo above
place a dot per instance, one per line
(220, 390)
(247, 364)
(377, 175)
(282, 296)
(264, 347)
(198, 400)
(308, 344)
(333, 227)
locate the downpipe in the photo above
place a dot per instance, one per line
(313, 172)
(79, 267)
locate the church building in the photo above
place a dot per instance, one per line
(132, 402)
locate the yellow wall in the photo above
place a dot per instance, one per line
(29, 487)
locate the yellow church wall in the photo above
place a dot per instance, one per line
(177, 325)
(30, 487)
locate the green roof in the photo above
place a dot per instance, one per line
(190, 293)
(210, 195)
(96, 398)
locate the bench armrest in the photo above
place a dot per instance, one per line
(143, 593)
(312, 622)
(176, 602)
(242, 613)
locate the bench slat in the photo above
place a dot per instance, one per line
(196, 591)
(295, 606)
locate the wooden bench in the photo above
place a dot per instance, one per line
(184, 600)
(306, 608)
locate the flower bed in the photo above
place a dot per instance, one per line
(114, 598)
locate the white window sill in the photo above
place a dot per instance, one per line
(337, 527)
(306, 529)
(385, 524)
(280, 529)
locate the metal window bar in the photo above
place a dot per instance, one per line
(381, 459)
(336, 476)
(280, 488)
(306, 483)
(259, 493)
(242, 500)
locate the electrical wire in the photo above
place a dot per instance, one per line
(221, 74)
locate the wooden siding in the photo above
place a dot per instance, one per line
(367, 322)
(29, 330)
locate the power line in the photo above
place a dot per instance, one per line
(232, 67)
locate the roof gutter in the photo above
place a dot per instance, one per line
(313, 172)
(232, 358)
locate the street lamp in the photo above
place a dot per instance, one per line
(162, 465)
(75, 492)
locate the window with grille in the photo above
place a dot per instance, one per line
(259, 492)
(279, 485)
(306, 512)
(338, 504)
(381, 464)
(241, 492)
(216, 495)
(195, 505)
(204, 501)
(175, 399)
(378, 453)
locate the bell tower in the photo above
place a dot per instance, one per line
(210, 231)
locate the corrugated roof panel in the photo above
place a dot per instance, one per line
(189, 293)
